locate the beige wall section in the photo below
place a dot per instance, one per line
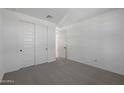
(99, 41)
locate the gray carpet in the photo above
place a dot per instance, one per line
(62, 73)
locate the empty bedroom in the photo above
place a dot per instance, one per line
(62, 46)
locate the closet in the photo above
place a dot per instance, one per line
(28, 41)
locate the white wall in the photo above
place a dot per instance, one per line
(11, 48)
(1, 48)
(99, 41)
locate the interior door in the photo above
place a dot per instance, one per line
(41, 44)
(26, 43)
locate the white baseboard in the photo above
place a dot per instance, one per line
(51, 59)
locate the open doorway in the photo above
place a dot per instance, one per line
(61, 44)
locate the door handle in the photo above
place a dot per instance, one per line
(46, 49)
(65, 47)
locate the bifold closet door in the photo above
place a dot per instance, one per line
(26, 43)
(41, 44)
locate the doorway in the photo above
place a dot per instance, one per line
(62, 44)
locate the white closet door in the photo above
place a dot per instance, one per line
(51, 44)
(26, 35)
(41, 50)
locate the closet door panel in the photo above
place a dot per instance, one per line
(26, 35)
(51, 44)
(40, 44)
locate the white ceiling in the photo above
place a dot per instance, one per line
(63, 16)
(57, 13)
(76, 15)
